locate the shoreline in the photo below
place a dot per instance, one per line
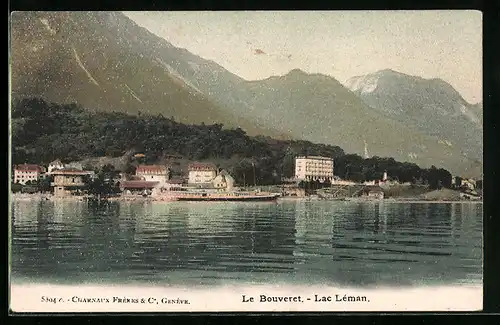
(50, 197)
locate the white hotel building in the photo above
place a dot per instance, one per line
(153, 173)
(201, 173)
(312, 168)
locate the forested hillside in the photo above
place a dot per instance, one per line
(42, 132)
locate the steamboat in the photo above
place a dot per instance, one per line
(204, 195)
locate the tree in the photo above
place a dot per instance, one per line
(432, 177)
(445, 178)
(100, 187)
(109, 172)
(16, 187)
(44, 184)
(129, 169)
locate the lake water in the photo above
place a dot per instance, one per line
(197, 243)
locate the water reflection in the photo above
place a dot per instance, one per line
(179, 242)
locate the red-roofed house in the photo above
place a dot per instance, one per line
(201, 173)
(153, 173)
(26, 172)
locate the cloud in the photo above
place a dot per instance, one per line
(258, 51)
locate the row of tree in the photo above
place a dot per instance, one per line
(45, 131)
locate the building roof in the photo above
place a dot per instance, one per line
(138, 184)
(71, 171)
(151, 169)
(28, 168)
(202, 166)
(314, 157)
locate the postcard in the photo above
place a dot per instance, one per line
(246, 161)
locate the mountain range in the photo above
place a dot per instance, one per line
(431, 106)
(105, 61)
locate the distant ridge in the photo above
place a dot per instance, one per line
(431, 106)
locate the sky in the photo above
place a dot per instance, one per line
(256, 45)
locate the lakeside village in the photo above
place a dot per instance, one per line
(203, 181)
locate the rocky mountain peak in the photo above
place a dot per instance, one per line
(431, 105)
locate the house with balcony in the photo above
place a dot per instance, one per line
(69, 181)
